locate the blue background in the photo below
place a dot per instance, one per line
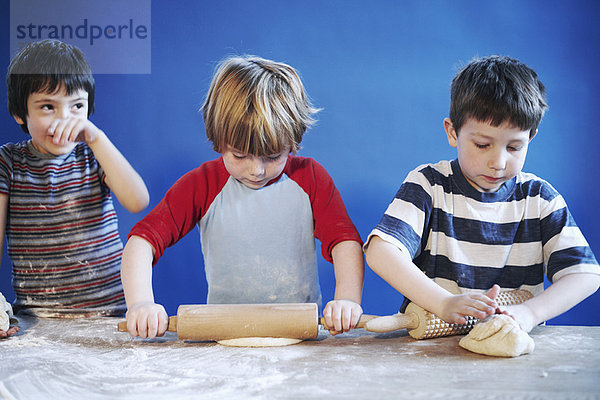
(381, 71)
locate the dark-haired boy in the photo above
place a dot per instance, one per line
(55, 189)
(459, 231)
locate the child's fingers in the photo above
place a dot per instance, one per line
(333, 317)
(456, 318)
(72, 129)
(327, 316)
(11, 331)
(163, 324)
(55, 131)
(483, 302)
(341, 315)
(157, 324)
(355, 311)
(65, 130)
(346, 319)
(141, 328)
(473, 307)
(59, 131)
(493, 292)
(336, 319)
(476, 313)
(481, 308)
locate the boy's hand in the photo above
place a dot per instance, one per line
(11, 331)
(521, 314)
(455, 308)
(73, 130)
(147, 320)
(341, 315)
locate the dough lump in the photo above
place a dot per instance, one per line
(259, 342)
(498, 335)
(5, 313)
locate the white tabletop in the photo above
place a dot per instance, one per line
(71, 358)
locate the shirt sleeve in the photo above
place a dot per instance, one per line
(405, 221)
(5, 169)
(331, 220)
(182, 207)
(565, 248)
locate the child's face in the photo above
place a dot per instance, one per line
(488, 155)
(254, 172)
(43, 108)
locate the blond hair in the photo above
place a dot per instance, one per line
(256, 106)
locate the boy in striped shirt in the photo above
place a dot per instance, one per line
(55, 202)
(458, 232)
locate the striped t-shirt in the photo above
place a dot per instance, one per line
(61, 230)
(467, 240)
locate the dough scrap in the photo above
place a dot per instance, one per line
(498, 335)
(5, 313)
(258, 342)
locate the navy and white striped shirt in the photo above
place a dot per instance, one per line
(61, 230)
(467, 240)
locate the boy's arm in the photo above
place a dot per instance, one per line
(343, 313)
(558, 298)
(3, 212)
(144, 317)
(397, 268)
(121, 178)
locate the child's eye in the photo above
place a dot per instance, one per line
(239, 156)
(47, 107)
(481, 146)
(274, 157)
(79, 106)
(515, 148)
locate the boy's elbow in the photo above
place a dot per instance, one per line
(372, 250)
(139, 204)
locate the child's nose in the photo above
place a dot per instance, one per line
(63, 112)
(257, 167)
(497, 160)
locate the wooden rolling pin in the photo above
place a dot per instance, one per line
(422, 324)
(204, 322)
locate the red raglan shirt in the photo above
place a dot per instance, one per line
(258, 244)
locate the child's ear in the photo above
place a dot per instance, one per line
(18, 119)
(532, 135)
(450, 132)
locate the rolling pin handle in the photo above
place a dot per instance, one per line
(362, 322)
(122, 327)
(392, 323)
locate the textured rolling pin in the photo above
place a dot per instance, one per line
(422, 324)
(205, 322)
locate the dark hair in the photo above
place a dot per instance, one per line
(47, 66)
(497, 89)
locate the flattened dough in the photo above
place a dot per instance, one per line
(259, 342)
(498, 335)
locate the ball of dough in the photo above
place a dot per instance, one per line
(5, 313)
(498, 335)
(259, 342)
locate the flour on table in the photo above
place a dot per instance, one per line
(259, 342)
(498, 335)
(5, 313)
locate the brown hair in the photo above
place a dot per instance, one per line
(256, 106)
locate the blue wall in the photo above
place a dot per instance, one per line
(381, 72)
